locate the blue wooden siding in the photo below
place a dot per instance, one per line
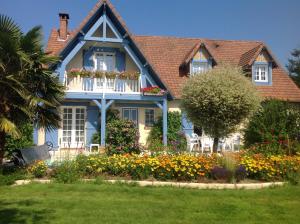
(92, 125)
(35, 136)
(187, 126)
(52, 136)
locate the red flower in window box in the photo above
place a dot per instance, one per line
(153, 90)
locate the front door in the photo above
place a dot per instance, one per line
(73, 127)
(130, 114)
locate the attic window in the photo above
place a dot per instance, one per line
(261, 73)
(198, 67)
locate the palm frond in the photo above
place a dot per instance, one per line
(8, 127)
(7, 25)
(31, 42)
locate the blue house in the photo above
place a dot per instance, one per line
(103, 65)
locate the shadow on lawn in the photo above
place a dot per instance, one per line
(19, 212)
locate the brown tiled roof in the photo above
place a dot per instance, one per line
(54, 44)
(193, 52)
(249, 55)
(166, 55)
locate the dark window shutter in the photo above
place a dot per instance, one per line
(88, 63)
(120, 61)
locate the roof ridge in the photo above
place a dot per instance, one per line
(198, 38)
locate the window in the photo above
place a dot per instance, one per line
(149, 117)
(261, 73)
(198, 67)
(105, 62)
(73, 127)
(130, 114)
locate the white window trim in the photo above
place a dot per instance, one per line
(137, 113)
(201, 63)
(259, 77)
(60, 130)
(153, 116)
(104, 53)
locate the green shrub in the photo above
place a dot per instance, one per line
(66, 172)
(293, 177)
(38, 169)
(122, 137)
(8, 175)
(96, 138)
(25, 139)
(273, 128)
(176, 139)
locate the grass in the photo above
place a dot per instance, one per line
(121, 203)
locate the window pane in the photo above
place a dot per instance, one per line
(261, 73)
(126, 114)
(199, 67)
(109, 63)
(149, 117)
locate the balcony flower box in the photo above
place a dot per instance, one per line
(153, 91)
(131, 75)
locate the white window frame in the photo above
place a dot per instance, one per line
(131, 108)
(200, 69)
(104, 55)
(100, 82)
(73, 143)
(153, 117)
(258, 73)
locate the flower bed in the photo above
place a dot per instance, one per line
(187, 167)
(271, 167)
(180, 167)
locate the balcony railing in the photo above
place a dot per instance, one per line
(107, 85)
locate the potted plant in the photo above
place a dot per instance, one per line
(74, 72)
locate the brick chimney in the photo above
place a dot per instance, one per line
(63, 25)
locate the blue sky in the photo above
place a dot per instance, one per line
(276, 22)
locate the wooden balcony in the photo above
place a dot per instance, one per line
(102, 85)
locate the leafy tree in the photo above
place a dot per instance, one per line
(276, 122)
(29, 90)
(294, 66)
(219, 100)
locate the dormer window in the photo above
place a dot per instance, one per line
(261, 73)
(104, 61)
(198, 67)
(262, 69)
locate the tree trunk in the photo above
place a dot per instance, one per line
(215, 146)
(2, 145)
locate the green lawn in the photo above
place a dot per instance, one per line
(108, 203)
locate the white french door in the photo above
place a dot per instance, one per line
(105, 62)
(73, 127)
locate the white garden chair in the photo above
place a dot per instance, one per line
(236, 142)
(193, 142)
(206, 144)
(225, 144)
